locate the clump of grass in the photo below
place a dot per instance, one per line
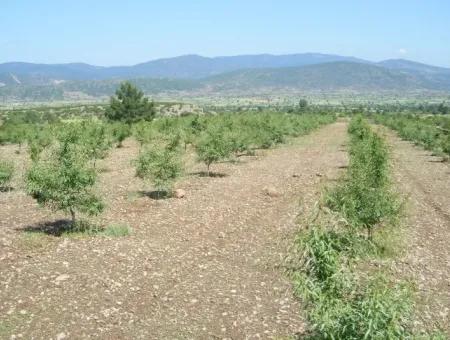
(82, 229)
(34, 240)
(116, 230)
(6, 173)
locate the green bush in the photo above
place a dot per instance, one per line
(213, 147)
(365, 197)
(61, 177)
(96, 139)
(6, 173)
(161, 164)
(119, 132)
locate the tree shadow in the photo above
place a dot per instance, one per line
(208, 174)
(63, 226)
(156, 194)
(54, 228)
(437, 160)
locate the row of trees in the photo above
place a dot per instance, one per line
(64, 155)
(431, 132)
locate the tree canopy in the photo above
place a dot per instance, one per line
(129, 105)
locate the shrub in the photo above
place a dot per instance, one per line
(212, 147)
(39, 140)
(161, 165)
(96, 139)
(6, 173)
(62, 179)
(365, 198)
(120, 132)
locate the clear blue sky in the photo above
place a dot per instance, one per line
(110, 32)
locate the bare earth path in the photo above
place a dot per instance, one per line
(426, 183)
(201, 267)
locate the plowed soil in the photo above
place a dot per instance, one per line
(202, 267)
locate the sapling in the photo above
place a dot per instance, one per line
(161, 165)
(62, 179)
(213, 147)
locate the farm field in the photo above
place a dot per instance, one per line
(209, 265)
(205, 265)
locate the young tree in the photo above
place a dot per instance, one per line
(161, 165)
(143, 132)
(62, 179)
(119, 132)
(302, 105)
(129, 105)
(96, 139)
(213, 147)
(38, 139)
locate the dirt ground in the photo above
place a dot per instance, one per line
(424, 181)
(206, 266)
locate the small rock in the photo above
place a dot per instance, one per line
(318, 174)
(271, 192)
(295, 175)
(179, 193)
(61, 336)
(62, 277)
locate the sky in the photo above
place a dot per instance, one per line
(111, 32)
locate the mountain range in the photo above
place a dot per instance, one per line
(243, 74)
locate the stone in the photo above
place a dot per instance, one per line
(62, 277)
(61, 336)
(271, 192)
(179, 193)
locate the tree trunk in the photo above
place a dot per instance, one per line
(369, 233)
(72, 214)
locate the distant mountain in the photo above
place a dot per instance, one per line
(412, 66)
(196, 75)
(439, 77)
(327, 76)
(186, 67)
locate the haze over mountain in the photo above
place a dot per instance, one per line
(246, 73)
(187, 66)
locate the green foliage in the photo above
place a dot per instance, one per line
(119, 132)
(6, 172)
(129, 105)
(39, 139)
(160, 164)
(370, 310)
(96, 140)
(212, 146)
(365, 197)
(143, 132)
(302, 105)
(342, 302)
(116, 230)
(431, 132)
(61, 177)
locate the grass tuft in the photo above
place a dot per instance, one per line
(116, 230)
